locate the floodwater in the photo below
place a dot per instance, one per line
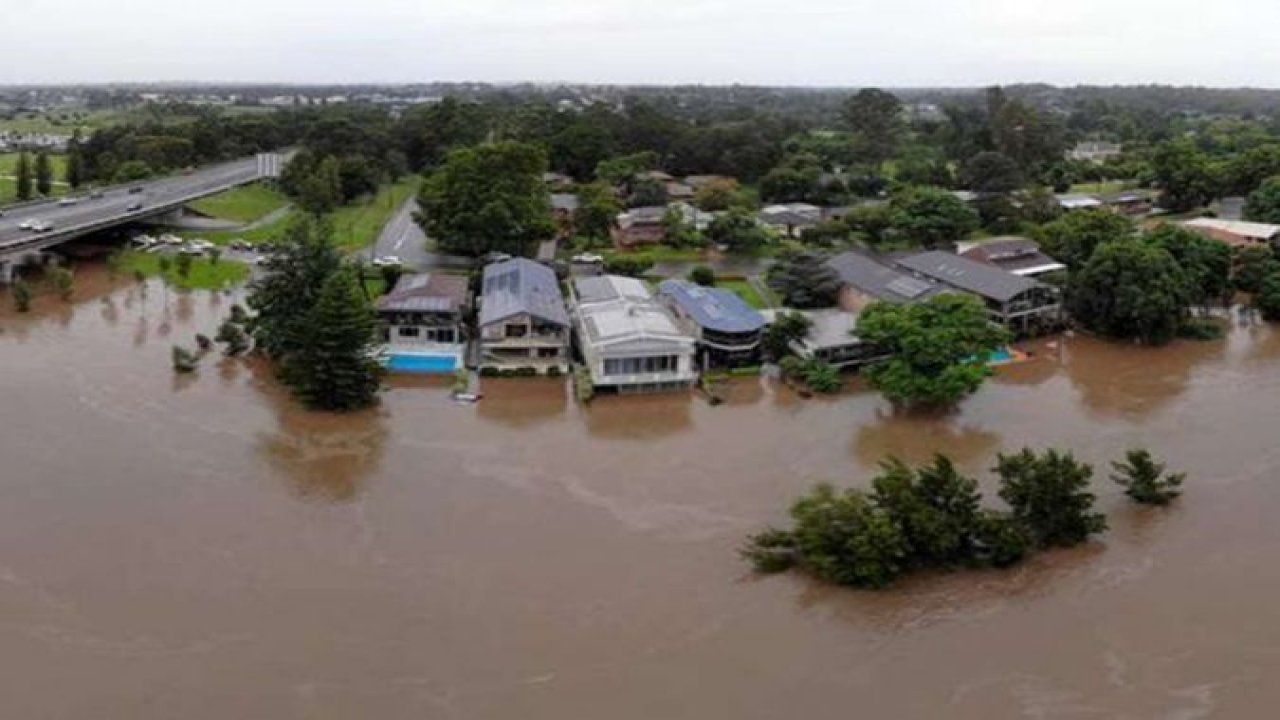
(201, 548)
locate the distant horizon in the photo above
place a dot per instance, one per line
(180, 84)
(759, 43)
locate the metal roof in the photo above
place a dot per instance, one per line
(518, 286)
(1017, 255)
(713, 308)
(604, 288)
(874, 278)
(426, 292)
(969, 275)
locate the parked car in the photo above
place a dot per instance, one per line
(133, 207)
(135, 189)
(387, 260)
(27, 225)
(68, 201)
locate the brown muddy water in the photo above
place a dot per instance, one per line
(201, 548)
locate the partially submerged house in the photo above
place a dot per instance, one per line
(1020, 303)
(833, 338)
(1237, 233)
(865, 279)
(727, 329)
(523, 321)
(629, 341)
(1017, 255)
(423, 322)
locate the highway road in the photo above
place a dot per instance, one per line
(157, 195)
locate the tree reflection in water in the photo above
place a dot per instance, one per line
(324, 457)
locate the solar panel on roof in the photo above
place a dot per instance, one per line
(908, 287)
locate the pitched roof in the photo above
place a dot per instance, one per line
(426, 292)
(564, 201)
(520, 285)
(874, 278)
(1240, 228)
(969, 275)
(1017, 255)
(713, 308)
(1077, 201)
(614, 310)
(604, 288)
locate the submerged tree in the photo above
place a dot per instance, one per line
(21, 295)
(1049, 494)
(937, 349)
(184, 361)
(337, 367)
(1144, 480)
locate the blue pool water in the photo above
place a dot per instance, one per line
(1001, 355)
(402, 362)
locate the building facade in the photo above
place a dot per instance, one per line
(629, 341)
(423, 317)
(727, 329)
(523, 322)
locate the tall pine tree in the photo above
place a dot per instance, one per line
(23, 171)
(336, 369)
(313, 319)
(75, 162)
(44, 174)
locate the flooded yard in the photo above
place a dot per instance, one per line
(201, 547)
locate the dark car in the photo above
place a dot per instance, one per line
(135, 190)
(133, 207)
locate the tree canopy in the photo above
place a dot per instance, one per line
(803, 280)
(937, 349)
(1072, 238)
(488, 198)
(1133, 290)
(932, 217)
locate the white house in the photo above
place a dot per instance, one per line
(629, 341)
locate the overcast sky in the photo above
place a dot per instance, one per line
(776, 42)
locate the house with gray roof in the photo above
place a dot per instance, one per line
(629, 341)
(422, 317)
(1020, 303)
(1018, 255)
(727, 329)
(523, 322)
(865, 279)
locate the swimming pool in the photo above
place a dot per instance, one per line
(1000, 356)
(421, 363)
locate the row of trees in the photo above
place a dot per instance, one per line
(933, 517)
(33, 177)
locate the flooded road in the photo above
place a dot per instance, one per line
(201, 548)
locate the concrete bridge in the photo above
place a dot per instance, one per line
(149, 198)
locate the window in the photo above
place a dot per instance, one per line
(548, 352)
(637, 366)
(410, 332)
(517, 331)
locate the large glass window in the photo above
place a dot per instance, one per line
(410, 332)
(641, 365)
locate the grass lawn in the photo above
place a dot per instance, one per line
(243, 204)
(1108, 186)
(745, 290)
(356, 226)
(657, 253)
(205, 274)
(9, 164)
(9, 191)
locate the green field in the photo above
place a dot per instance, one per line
(9, 190)
(354, 226)
(745, 290)
(243, 204)
(205, 274)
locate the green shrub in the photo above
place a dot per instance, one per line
(489, 371)
(526, 372)
(554, 371)
(1201, 328)
(703, 275)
